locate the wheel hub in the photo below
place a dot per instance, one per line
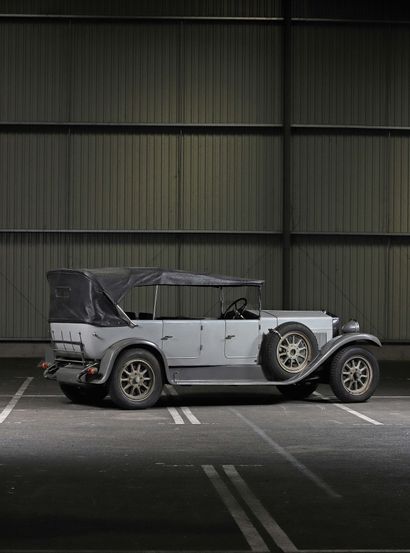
(293, 352)
(137, 379)
(356, 375)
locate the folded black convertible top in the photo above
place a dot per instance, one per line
(91, 295)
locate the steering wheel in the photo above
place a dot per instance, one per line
(238, 308)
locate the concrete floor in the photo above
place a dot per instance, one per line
(215, 469)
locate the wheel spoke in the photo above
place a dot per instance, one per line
(356, 375)
(137, 379)
(293, 352)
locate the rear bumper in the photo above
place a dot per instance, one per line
(74, 374)
(71, 374)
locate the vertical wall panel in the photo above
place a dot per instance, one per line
(399, 178)
(232, 73)
(231, 182)
(399, 291)
(399, 77)
(123, 73)
(350, 9)
(33, 180)
(33, 76)
(123, 181)
(339, 183)
(24, 261)
(224, 8)
(347, 277)
(340, 75)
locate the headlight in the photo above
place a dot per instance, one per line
(351, 326)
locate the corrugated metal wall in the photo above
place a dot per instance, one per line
(139, 122)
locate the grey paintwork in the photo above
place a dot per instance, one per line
(193, 341)
(208, 368)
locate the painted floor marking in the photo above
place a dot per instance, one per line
(349, 410)
(290, 458)
(15, 399)
(270, 525)
(189, 415)
(175, 415)
(248, 530)
(35, 395)
(170, 390)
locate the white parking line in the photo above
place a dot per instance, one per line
(175, 415)
(170, 390)
(189, 415)
(349, 410)
(15, 399)
(290, 458)
(34, 395)
(248, 530)
(270, 525)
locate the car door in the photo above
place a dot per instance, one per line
(242, 339)
(181, 340)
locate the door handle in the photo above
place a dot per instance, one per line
(230, 336)
(166, 337)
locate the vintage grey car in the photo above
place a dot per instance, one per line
(99, 349)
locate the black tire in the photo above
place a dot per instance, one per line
(354, 374)
(287, 350)
(298, 391)
(136, 380)
(91, 394)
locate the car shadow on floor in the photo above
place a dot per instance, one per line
(215, 399)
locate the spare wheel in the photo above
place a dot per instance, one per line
(287, 350)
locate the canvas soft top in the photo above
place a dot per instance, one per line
(91, 295)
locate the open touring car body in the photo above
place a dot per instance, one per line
(90, 333)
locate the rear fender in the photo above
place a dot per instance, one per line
(328, 350)
(112, 353)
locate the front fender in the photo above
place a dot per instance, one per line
(331, 347)
(110, 356)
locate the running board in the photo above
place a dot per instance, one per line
(225, 383)
(223, 375)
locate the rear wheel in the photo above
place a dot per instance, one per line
(84, 394)
(354, 374)
(298, 391)
(136, 380)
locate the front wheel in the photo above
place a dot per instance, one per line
(136, 380)
(354, 374)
